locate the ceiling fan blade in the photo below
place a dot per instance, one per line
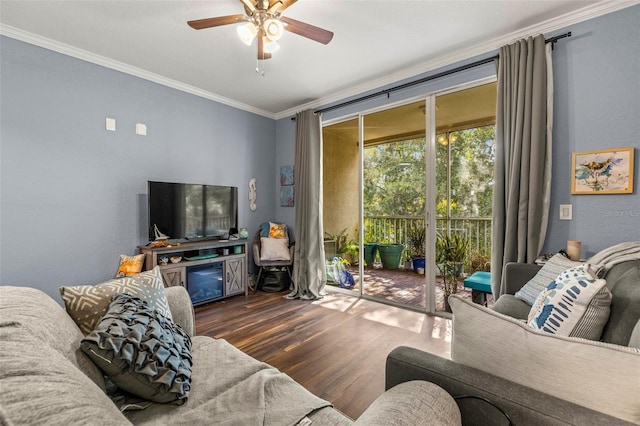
(280, 5)
(307, 30)
(201, 24)
(261, 53)
(249, 6)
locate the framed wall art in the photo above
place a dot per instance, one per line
(286, 196)
(603, 171)
(286, 175)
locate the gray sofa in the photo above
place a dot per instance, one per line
(503, 371)
(45, 379)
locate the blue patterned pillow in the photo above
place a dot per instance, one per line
(575, 304)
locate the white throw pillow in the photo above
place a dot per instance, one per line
(274, 249)
(532, 289)
(575, 304)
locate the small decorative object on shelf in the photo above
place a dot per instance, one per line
(244, 233)
(175, 259)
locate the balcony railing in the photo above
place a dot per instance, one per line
(396, 229)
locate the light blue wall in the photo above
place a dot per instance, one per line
(73, 195)
(597, 105)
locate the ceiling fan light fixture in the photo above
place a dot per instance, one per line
(273, 28)
(247, 33)
(270, 46)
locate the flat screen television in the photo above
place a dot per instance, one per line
(192, 212)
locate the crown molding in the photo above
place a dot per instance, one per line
(84, 55)
(489, 47)
(589, 12)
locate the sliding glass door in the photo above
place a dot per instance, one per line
(398, 180)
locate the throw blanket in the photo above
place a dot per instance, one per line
(619, 253)
(231, 388)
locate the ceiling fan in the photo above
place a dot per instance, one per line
(263, 20)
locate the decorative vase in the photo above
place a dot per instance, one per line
(390, 255)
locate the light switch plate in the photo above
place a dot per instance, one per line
(110, 124)
(566, 211)
(141, 129)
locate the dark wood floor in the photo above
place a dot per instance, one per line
(335, 347)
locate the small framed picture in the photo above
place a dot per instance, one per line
(286, 196)
(286, 175)
(603, 171)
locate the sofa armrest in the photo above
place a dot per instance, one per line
(484, 398)
(412, 403)
(181, 308)
(565, 367)
(515, 275)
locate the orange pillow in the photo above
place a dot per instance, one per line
(277, 230)
(130, 265)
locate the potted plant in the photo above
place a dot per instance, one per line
(370, 246)
(451, 252)
(417, 240)
(390, 255)
(351, 250)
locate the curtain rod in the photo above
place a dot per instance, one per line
(425, 79)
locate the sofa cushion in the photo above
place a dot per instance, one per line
(634, 340)
(625, 303)
(87, 304)
(507, 304)
(130, 265)
(42, 387)
(229, 387)
(39, 315)
(575, 304)
(142, 351)
(532, 289)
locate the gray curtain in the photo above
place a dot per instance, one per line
(309, 274)
(523, 154)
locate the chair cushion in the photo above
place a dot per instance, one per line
(278, 230)
(142, 351)
(274, 249)
(625, 305)
(88, 304)
(507, 304)
(575, 304)
(532, 289)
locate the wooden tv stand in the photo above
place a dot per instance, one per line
(231, 254)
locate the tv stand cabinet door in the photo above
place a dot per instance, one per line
(174, 277)
(235, 271)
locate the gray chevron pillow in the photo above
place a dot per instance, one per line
(142, 351)
(87, 304)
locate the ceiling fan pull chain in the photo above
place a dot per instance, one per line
(258, 70)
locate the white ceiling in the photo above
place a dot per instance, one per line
(376, 42)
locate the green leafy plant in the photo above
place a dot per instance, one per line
(417, 240)
(351, 250)
(452, 250)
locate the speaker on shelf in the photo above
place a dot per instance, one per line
(233, 233)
